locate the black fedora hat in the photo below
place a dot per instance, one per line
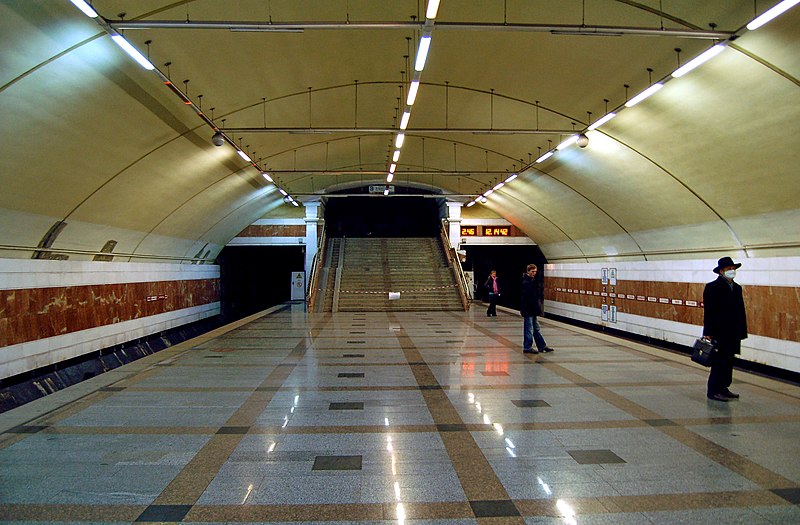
(724, 263)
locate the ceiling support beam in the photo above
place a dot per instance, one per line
(299, 27)
(331, 130)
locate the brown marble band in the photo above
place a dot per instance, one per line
(37, 313)
(274, 230)
(769, 308)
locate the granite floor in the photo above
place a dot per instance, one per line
(424, 418)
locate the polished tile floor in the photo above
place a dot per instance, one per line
(434, 418)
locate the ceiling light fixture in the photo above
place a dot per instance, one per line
(398, 142)
(544, 157)
(572, 139)
(128, 48)
(470, 203)
(772, 13)
(433, 7)
(386, 191)
(404, 120)
(392, 167)
(512, 177)
(87, 9)
(243, 155)
(412, 93)
(283, 192)
(582, 141)
(390, 177)
(422, 52)
(396, 155)
(643, 95)
(599, 122)
(266, 176)
(488, 192)
(696, 61)
(484, 200)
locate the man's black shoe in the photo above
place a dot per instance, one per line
(730, 395)
(717, 397)
(546, 349)
(531, 351)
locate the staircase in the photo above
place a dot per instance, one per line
(369, 268)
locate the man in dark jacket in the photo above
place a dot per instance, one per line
(531, 306)
(725, 322)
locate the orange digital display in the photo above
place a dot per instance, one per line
(469, 231)
(496, 232)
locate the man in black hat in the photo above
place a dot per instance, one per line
(724, 321)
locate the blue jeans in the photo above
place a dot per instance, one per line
(532, 332)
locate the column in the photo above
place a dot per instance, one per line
(454, 218)
(312, 220)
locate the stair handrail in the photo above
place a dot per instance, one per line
(455, 263)
(317, 261)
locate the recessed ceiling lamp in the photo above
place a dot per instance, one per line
(772, 13)
(128, 48)
(643, 95)
(87, 9)
(700, 59)
(412, 92)
(599, 122)
(433, 7)
(572, 139)
(398, 142)
(404, 120)
(422, 52)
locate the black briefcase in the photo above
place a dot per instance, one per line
(703, 351)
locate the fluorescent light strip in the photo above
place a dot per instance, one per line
(390, 177)
(700, 59)
(87, 9)
(128, 48)
(544, 157)
(601, 121)
(392, 167)
(398, 142)
(412, 93)
(294, 203)
(396, 155)
(283, 192)
(422, 53)
(512, 177)
(643, 95)
(772, 13)
(433, 7)
(568, 142)
(266, 176)
(386, 191)
(243, 155)
(404, 120)
(488, 192)
(470, 203)
(498, 186)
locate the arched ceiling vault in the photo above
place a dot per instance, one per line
(97, 148)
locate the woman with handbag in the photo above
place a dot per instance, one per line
(492, 287)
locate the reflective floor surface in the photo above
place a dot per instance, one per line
(424, 418)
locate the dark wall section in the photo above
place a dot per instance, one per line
(509, 262)
(382, 217)
(253, 278)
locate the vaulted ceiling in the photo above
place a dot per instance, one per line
(97, 148)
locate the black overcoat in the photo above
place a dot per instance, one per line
(724, 317)
(532, 298)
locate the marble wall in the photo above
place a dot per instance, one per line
(664, 300)
(56, 310)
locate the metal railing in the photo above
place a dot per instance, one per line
(317, 262)
(455, 263)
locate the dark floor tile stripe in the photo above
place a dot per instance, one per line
(494, 509)
(164, 513)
